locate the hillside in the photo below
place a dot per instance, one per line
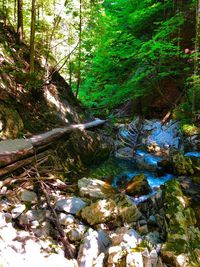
(31, 103)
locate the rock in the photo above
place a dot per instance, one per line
(116, 257)
(152, 220)
(134, 259)
(94, 188)
(70, 204)
(138, 186)
(182, 235)
(182, 165)
(127, 210)
(76, 231)
(120, 208)
(66, 219)
(153, 238)
(146, 160)
(150, 259)
(166, 166)
(162, 135)
(99, 212)
(143, 229)
(17, 210)
(92, 246)
(142, 222)
(33, 215)
(99, 262)
(28, 196)
(11, 122)
(127, 238)
(90, 146)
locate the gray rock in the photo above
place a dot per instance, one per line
(66, 219)
(94, 188)
(28, 196)
(152, 220)
(153, 238)
(33, 215)
(71, 204)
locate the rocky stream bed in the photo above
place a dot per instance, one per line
(140, 208)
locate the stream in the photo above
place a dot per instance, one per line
(153, 146)
(118, 172)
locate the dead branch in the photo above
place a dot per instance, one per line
(69, 250)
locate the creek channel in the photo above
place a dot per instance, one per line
(154, 142)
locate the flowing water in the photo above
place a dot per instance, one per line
(118, 172)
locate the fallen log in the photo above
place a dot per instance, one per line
(45, 138)
(13, 150)
(17, 153)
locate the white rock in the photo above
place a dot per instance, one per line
(128, 237)
(154, 258)
(93, 244)
(134, 259)
(94, 188)
(115, 254)
(28, 196)
(17, 210)
(71, 204)
(99, 262)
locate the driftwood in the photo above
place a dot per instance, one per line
(15, 154)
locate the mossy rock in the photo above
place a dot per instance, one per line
(11, 123)
(138, 186)
(183, 238)
(182, 165)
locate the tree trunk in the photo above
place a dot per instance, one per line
(196, 80)
(79, 49)
(20, 20)
(32, 37)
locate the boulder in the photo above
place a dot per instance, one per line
(183, 238)
(11, 122)
(94, 188)
(119, 208)
(182, 165)
(127, 209)
(90, 146)
(138, 186)
(99, 212)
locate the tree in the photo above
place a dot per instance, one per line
(32, 36)
(20, 27)
(79, 49)
(196, 76)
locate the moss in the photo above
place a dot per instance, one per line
(182, 165)
(182, 236)
(190, 130)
